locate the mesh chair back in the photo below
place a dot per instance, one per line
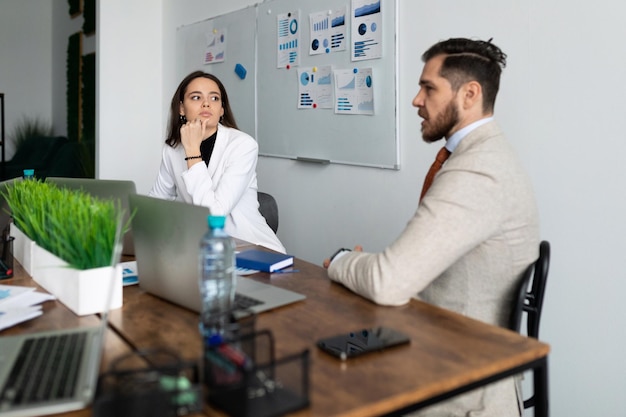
(269, 209)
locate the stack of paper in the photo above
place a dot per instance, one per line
(18, 304)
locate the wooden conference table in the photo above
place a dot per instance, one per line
(448, 353)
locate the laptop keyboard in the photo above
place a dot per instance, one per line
(46, 369)
(243, 301)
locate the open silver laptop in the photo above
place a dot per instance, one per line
(104, 189)
(53, 371)
(167, 236)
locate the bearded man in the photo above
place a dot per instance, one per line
(476, 227)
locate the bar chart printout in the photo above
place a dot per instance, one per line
(366, 30)
(288, 39)
(328, 31)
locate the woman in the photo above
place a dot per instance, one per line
(208, 162)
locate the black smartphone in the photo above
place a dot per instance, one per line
(362, 341)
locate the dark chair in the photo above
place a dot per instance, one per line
(67, 162)
(529, 298)
(268, 209)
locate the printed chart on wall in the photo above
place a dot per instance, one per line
(326, 81)
(288, 45)
(366, 31)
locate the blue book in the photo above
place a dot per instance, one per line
(263, 261)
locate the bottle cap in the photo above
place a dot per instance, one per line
(214, 340)
(216, 222)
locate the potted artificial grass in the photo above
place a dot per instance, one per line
(74, 235)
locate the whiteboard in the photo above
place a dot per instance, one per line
(265, 103)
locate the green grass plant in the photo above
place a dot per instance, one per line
(71, 224)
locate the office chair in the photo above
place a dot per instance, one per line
(268, 209)
(531, 301)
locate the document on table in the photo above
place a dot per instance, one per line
(18, 304)
(129, 273)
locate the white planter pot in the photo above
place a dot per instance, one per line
(23, 249)
(82, 291)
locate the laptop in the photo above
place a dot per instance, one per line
(104, 189)
(167, 236)
(53, 371)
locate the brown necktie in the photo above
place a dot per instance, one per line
(442, 155)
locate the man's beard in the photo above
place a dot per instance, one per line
(442, 125)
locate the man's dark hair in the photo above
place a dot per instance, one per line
(470, 60)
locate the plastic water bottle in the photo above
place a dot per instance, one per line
(217, 278)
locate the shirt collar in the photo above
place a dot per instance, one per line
(456, 138)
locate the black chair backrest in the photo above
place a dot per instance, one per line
(269, 209)
(531, 300)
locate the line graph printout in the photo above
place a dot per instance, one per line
(354, 93)
(328, 31)
(288, 39)
(215, 50)
(367, 30)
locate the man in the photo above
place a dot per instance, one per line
(476, 228)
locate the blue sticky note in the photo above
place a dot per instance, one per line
(240, 71)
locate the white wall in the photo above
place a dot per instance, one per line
(577, 111)
(25, 57)
(561, 105)
(129, 107)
